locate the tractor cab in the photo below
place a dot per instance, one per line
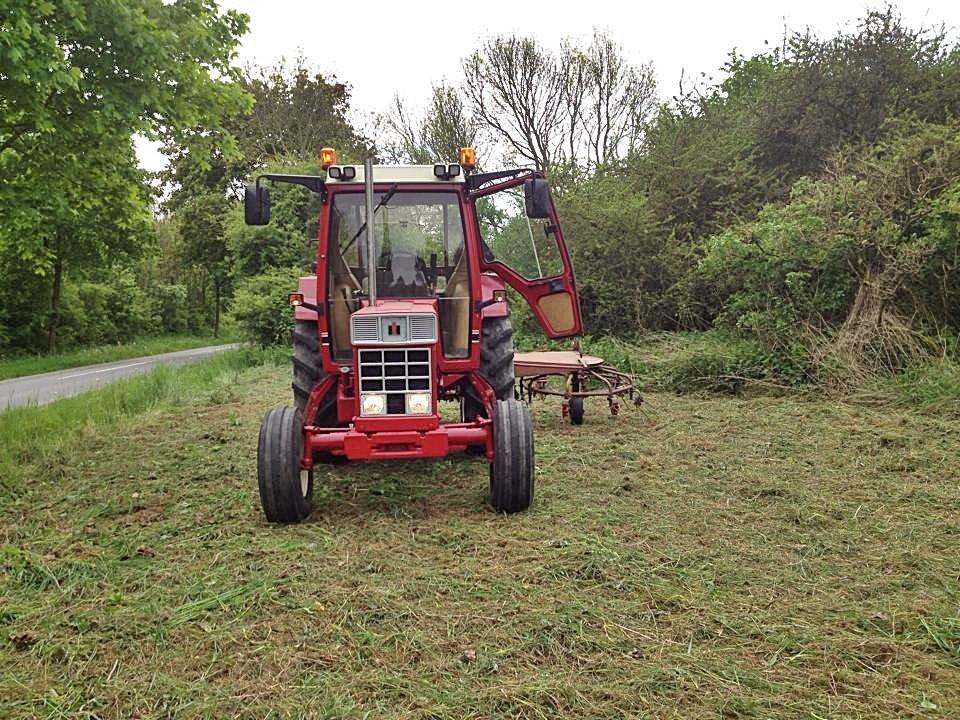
(408, 307)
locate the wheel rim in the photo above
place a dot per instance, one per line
(304, 482)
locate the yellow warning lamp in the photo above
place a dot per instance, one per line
(467, 157)
(328, 157)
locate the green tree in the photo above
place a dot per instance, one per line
(77, 80)
(297, 110)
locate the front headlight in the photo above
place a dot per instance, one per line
(418, 403)
(373, 404)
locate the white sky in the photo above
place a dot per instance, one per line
(404, 46)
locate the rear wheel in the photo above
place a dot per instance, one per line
(511, 472)
(286, 490)
(308, 371)
(496, 366)
(496, 355)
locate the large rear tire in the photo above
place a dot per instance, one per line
(511, 472)
(496, 366)
(286, 491)
(496, 355)
(308, 371)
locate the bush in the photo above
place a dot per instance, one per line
(931, 384)
(625, 262)
(260, 309)
(289, 239)
(114, 311)
(853, 274)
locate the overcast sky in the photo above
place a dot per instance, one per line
(402, 46)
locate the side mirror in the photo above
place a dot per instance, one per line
(536, 194)
(256, 205)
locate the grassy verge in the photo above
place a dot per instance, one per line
(703, 558)
(30, 365)
(36, 438)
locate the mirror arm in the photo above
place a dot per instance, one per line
(312, 306)
(313, 183)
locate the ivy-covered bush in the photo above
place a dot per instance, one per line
(260, 309)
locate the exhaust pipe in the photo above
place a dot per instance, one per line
(371, 239)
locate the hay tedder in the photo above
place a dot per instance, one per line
(408, 307)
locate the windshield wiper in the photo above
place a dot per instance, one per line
(383, 201)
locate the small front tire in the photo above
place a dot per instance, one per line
(576, 411)
(286, 490)
(511, 472)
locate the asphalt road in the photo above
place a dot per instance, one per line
(47, 387)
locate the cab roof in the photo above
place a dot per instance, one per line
(395, 174)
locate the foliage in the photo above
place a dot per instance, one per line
(621, 254)
(88, 75)
(857, 264)
(828, 237)
(289, 239)
(806, 204)
(202, 219)
(843, 90)
(260, 307)
(170, 309)
(447, 125)
(297, 110)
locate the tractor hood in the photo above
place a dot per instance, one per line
(395, 322)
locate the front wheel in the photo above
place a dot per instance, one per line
(286, 490)
(511, 472)
(576, 411)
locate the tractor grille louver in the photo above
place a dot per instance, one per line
(423, 328)
(365, 329)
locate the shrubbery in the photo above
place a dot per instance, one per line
(260, 307)
(859, 267)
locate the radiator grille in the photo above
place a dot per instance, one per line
(395, 372)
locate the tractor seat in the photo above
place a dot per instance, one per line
(406, 276)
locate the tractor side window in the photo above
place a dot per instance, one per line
(525, 245)
(342, 288)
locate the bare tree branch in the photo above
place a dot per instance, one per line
(588, 107)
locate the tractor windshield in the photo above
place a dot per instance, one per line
(419, 253)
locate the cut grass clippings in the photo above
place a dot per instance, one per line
(14, 367)
(708, 558)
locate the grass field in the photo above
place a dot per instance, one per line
(707, 558)
(31, 364)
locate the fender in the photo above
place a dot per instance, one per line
(488, 283)
(307, 286)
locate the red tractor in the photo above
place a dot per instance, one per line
(408, 307)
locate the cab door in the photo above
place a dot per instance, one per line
(522, 243)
